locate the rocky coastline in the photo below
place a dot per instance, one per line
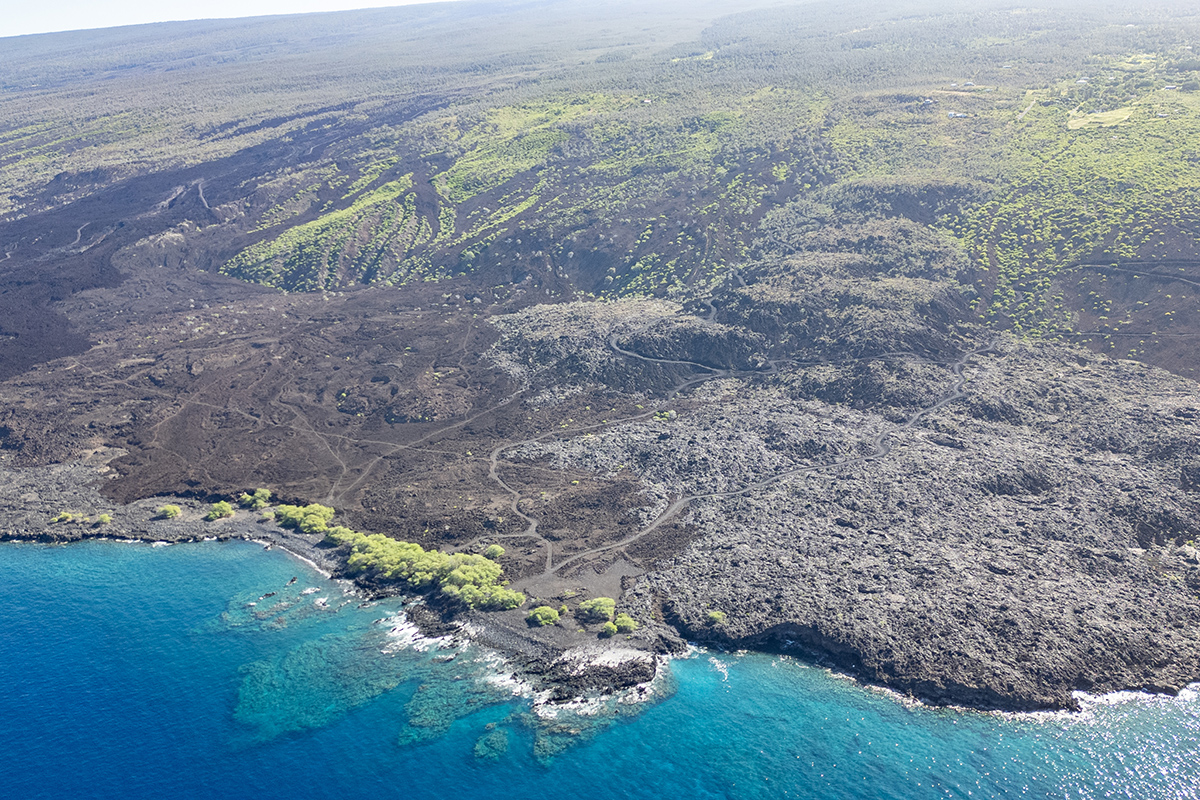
(561, 665)
(556, 669)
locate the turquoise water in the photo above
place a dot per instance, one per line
(135, 671)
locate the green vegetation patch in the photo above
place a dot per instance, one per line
(542, 616)
(625, 623)
(1105, 187)
(599, 609)
(1101, 119)
(514, 139)
(219, 510)
(257, 501)
(312, 256)
(312, 518)
(472, 579)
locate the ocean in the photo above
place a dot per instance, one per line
(203, 671)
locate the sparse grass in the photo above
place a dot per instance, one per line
(1102, 119)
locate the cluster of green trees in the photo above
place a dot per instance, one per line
(71, 516)
(542, 616)
(472, 579)
(598, 609)
(312, 518)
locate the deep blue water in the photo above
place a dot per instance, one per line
(134, 671)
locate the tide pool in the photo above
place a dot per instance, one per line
(135, 671)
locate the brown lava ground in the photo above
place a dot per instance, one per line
(380, 402)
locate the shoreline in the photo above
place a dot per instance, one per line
(547, 657)
(546, 702)
(542, 694)
(557, 672)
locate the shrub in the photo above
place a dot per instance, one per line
(598, 610)
(257, 501)
(169, 512)
(607, 629)
(625, 623)
(219, 510)
(103, 519)
(542, 616)
(63, 516)
(716, 617)
(493, 552)
(312, 518)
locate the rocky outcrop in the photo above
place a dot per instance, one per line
(999, 560)
(982, 561)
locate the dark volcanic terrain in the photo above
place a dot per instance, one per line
(967, 518)
(835, 372)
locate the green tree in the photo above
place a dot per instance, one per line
(169, 512)
(257, 501)
(312, 518)
(219, 510)
(542, 616)
(599, 609)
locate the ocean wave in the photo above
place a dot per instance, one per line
(404, 635)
